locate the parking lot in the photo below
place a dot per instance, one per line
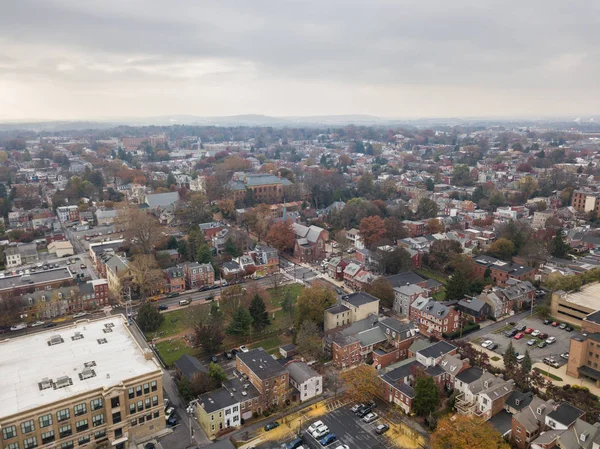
(563, 339)
(352, 431)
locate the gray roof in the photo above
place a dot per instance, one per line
(39, 277)
(359, 298)
(261, 363)
(238, 387)
(566, 414)
(502, 422)
(189, 366)
(371, 337)
(338, 308)
(162, 200)
(310, 233)
(300, 372)
(437, 349)
(571, 438)
(529, 417)
(401, 369)
(472, 304)
(470, 375)
(519, 400)
(108, 213)
(400, 279)
(216, 400)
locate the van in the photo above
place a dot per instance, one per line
(184, 302)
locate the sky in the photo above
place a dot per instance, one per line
(78, 60)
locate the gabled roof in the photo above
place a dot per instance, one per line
(405, 278)
(437, 349)
(162, 199)
(566, 414)
(189, 366)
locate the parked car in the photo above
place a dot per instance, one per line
(169, 412)
(51, 324)
(370, 417)
(320, 432)
(492, 346)
(520, 358)
(343, 446)
(355, 407)
(547, 321)
(542, 344)
(38, 323)
(486, 343)
(565, 355)
(228, 355)
(18, 327)
(511, 333)
(163, 307)
(550, 340)
(243, 348)
(80, 314)
(328, 439)
(532, 342)
(214, 359)
(184, 302)
(314, 426)
(294, 444)
(569, 329)
(372, 404)
(363, 411)
(172, 421)
(173, 295)
(554, 324)
(271, 425)
(4, 329)
(543, 335)
(82, 266)
(562, 326)
(535, 333)
(382, 428)
(529, 330)
(519, 336)
(520, 327)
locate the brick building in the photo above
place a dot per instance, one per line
(266, 374)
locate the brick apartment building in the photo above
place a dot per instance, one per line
(266, 374)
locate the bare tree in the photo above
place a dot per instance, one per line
(141, 228)
(146, 277)
(276, 281)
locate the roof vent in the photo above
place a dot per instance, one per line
(89, 364)
(102, 341)
(244, 393)
(109, 325)
(62, 382)
(87, 373)
(55, 340)
(45, 384)
(584, 436)
(107, 330)
(77, 336)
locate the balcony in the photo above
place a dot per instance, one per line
(464, 407)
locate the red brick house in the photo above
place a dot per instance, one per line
(310, 242)
(434, 318)
(198, 274)
(175, 280)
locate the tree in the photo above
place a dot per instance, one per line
(457, 287)
(312, 303)
(395, 261)
(232, 298)
(209, 336)
(502, 249)
(466, 432)
(427, 396)
(371, 230)
(141, 228)
(461, 175)
(258, 311)
(427, 209)
(149, 318)
(216, 373)
(281, 236)
(429, 184)
(145, 275)
(240, 322)
(559, 247)
(510, 359)
(343, 242)
(527, 185)
(308, 340)
(383, 290)
(526, 364)
(434, 226)
(257, 220)
(361, 383)
(395, 229)
(230, 248)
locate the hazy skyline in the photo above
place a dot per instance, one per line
(67, 59)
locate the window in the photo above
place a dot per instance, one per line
(63, 415)
(131, 409)
(156, 414)
(147, 402)
(82, 425)
(27, 426)
(154, 400)
(227, 412)
(153, 386)
(235, 409)
(146, 388)
(131, 393)
(116, 417)
(67, 445)
(100, 434)
(9, 432)
(13, 446)
(65, 431)
(140, 406)
(45, 421)
(141, 419)
(114, 402)
(30, 443)
(83, 440)
(118, 433)
(47, 437)
(138, 390)
(149, 417)
(96, 404)
(97, 420)
(134, 422)
(80, 409)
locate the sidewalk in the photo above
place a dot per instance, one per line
(566, 379)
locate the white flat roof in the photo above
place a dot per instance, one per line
(26, 360)
(589, 296)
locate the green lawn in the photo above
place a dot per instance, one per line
(495, 358)
(268, 344)
(172, 350)
(175, 322)
(548, 374)
(276, 298)
(439, 296)
(432, 275)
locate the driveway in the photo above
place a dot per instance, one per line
(563, 340)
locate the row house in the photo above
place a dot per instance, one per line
(93, 294)
(501, 271)
(528, 422)
(336, 267)
(100, 252)
(67, 213)
(564, 427)
(354, 236)
(350, 309)
(118, 275)
(434, 318)
(415, 228)
(503, 301)
(199, 275)
(174, 279)
(266, 260)
(267, 375)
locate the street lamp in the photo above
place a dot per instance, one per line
(191, 410)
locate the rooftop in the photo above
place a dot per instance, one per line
(359, 298)
(39, 277)
(586, 297)
(261, 363)
(60, 359)
(438, 349)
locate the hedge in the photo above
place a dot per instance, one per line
(465, 330)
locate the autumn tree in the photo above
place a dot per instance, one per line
(308, 340)
(312, 303)
(257, 220)
(141, 228)
(427, 396)
(343, 242)
(393, 262)
(466, 432)
(502, 249)
(146, 276)
(426, 209)
(232, 298)
(281, 236)
(383, 290)
(259, 314)
(361, 383)
(395, 229)
(434, 226)
(371, 230)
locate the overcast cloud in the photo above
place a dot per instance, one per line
(73, 59)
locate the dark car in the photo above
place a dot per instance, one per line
(204, 288)
(372, 404)
(569, 329)
(271, 426)
(294, 444)
(163, 307)
(172, 421)
(492, 346)
(228, 355)
(363, 411)
(234, 351)
(328, 439)
(543, 335)
(543, 344)
(173, 295)
(511, 333)
(4, 329)
(214, 359)
(149, 446)
(547, 321)
(382, 428)
(520, 327)
(50, 325)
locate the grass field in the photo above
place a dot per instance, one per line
(548, 374)
(439, 296)
(269, 343)
(432, 275)
(172, 350)
(175, 322)
(276, 298)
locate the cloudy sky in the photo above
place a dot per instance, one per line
(74, 59)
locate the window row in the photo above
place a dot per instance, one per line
(146, 403)
(142, 389)
(141, 419)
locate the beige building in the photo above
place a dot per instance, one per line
(61, 248)
(89, 383)
(573, 307)
(351, 308)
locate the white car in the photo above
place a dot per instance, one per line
(343, 446)
(243, 348)
(169, 412)
(535, 333)
(486, 343)
(550, 340)
(18, 327)
(79, 315)
(320, 432)
(370, 417)
(38, 323)
(520, 358)
(314, 426)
